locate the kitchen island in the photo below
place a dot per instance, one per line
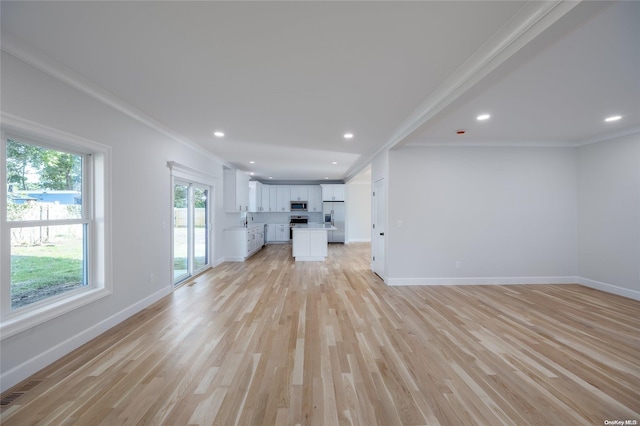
(309, 242)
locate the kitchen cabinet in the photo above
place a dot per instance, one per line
(255, 197)
(273, 199)
(333, 192)
(278, 232)
(266, 200)
(241, 243)
(309, 244)
(271, 233)
(235, 191)
(299, 193)
(314, 203)
(282, 232)
(283, 200)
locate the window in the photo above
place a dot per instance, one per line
(53, 251)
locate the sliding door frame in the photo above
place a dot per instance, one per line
(181, 174)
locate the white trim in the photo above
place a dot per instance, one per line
(195, 178)
(451, 281)
(234, 258)
(530, 21)
(48, 135)
(38, 362)
(523, 144)
(490, 144)
(609, 288)
(50, 66)
(17, 323)
(608, 137)
(101, 285)
(185, 172)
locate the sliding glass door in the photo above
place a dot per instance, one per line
(190, 229)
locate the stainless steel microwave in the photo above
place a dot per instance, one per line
(298, 206)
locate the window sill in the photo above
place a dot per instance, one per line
(21, 321)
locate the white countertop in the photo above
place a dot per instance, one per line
(315, 226)
(251, 225)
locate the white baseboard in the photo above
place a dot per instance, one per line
(609, 288)
(234, 259)
(598, 285)
(359, 240)
(35, 364)
(481, 280)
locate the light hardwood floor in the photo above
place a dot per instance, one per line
(275, 342)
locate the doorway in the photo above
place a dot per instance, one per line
(378, 228)
(190, 229)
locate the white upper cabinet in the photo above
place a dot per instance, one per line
(266, 199)
(273, 199)
(235, 191)
(283, 200)
(277, 198)
(314, 203)
(255, 196)
(299, 193)
(333, 192)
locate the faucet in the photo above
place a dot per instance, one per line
(246, 219)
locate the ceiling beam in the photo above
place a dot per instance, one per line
(530, 21)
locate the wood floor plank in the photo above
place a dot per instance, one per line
(275, 342)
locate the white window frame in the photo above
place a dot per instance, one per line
(96, 214)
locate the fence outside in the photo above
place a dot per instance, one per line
(180, 217)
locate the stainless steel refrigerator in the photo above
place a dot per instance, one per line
(334, 214)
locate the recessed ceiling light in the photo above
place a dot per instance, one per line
(252, 173)
(270, 177)
(252, 162)
(483, 117)
(218, 134)
(326, 177)
(613, 118)
(348, 135)
(334, 162)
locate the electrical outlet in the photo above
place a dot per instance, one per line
(152, 278)
(458, 264)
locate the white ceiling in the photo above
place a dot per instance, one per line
(285, 80)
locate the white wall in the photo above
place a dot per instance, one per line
(609, 215)
(140, 210)
(358, 206)
(508, 215)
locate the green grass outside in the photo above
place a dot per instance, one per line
(41, 271)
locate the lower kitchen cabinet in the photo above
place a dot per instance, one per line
(241, 243)
(278, 232)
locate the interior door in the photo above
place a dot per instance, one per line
(378, 228)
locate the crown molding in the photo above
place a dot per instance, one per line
(609, 136)
(20, 50)
(530, 21)
(497, 144)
